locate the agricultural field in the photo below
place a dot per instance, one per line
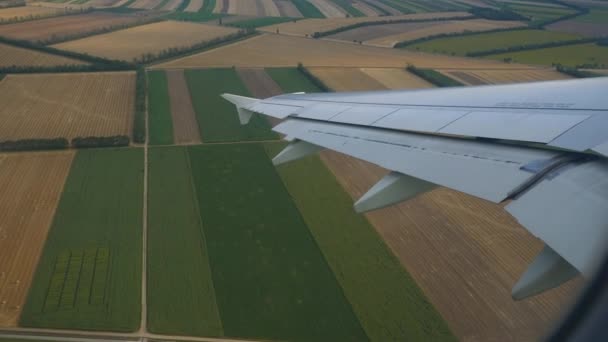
(66, 105)
(258, 82)
(185, 125)
(146, 4)
(271, 280)
(159, 109)
(260, 8)
(539, 14)
(291, 80)
(392, 78)
(16, 56)
(570, 55)
(338, 78)
(391, 34)
(593, 24)
(460, 46)
(181, 295)
(217, 119)
(150, 38)
(289, 51)
(89, 275)
(287, 9)
(328, 8)
(194, 6)
(31, 187)
(59, 28)
(26, 13)
(481, 77)
(307, 27)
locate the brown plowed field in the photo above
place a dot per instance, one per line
(352, 79)
(479, 77)
(150, 38)
(31, 186)
(26, 11)
(465, 254)
(289, 51)
(307, 27)
(393, 78)
(10, 55)
(51, 28)
(287, 9)
(66, 105)
(451, 26)
(185, 126)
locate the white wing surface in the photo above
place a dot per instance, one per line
(542, 145)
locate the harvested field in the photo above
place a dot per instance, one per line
(31, 187)
(476, 252)
(89, 275)
(151, 38)
(328, 8)
(19, 13)
(185, 126)
(194, 6)
(145, 4)
(587, 29)
(67, 105)
(309, 26)
(11, 55)
(479, 77)
(451, 26)
(289, 51)
(258, 82)
(346, 78)
(396, 78)
(287, 9)
(65, 26)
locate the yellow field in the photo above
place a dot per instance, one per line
(478, 77)
(288, 51)
(31, 187)
(66, 105)
(352, 79)
(446, 27)
(10, 55)
(134, 42)
(307, 27)
(27, 11)
(392, 78)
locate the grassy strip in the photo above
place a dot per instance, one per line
(259, 22)
(99, 212)
(159, 109)
(307, 9)
(271, 280)
(217, 118)
(434, 77)
(534, 46)
(407, 43)
(97, 63)
(471, 44)
(384, 22)
(347, 6)
(292, 80)
(139, 119)
(388, 302)
(181, 297)
(313, 79)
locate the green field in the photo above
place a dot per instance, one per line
(159, 109)
(570, 55)
(389, 304)
(540, 14)
(271, 280)
(89, 276)
(595, 16)
(460, 46)
(181, 298)
(217, 118)
(291, 80)
(307, 9)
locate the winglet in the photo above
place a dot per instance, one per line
(240, 102)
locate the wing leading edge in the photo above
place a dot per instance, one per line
(541, 145)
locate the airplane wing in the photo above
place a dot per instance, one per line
(541, 146)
